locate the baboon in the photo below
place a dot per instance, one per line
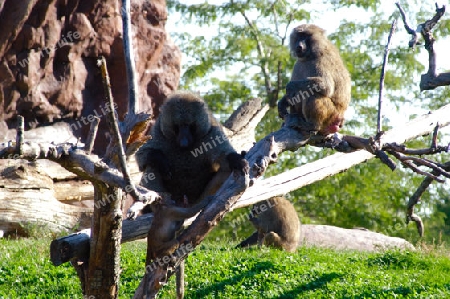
(167, 220)
(188, 148)
(189, 157)
(320, 88)
(277, 224)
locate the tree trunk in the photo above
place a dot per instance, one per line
(102, 279)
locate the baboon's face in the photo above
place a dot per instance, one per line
(185, 120)
(302, 45)
(304, 41)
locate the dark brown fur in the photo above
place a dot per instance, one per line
(320, 87)
(168, 219)
(185, 126)
(171, 162)
(277, 224)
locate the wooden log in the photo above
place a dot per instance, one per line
(136, 229)
(27, 202)
(76, 246)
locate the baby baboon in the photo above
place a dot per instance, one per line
(188, 148)
(276, 223)
(320, 87)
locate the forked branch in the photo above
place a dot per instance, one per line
(431, 79)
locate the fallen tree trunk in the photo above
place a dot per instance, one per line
(28, 204)
(75, 247)
(315, 171)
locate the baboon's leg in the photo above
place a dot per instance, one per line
(252, 240)
(273, 239)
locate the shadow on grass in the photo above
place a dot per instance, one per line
(315, 284)
(220, 286)
(403, 292)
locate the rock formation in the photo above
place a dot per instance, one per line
(48, 74)
(49, 51)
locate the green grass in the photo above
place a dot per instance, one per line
(215, 270)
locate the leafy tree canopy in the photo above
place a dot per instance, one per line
(238, 49)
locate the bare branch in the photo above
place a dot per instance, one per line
(383, 71)
(408, 162)
(415, 199)
(89, 145)
(115, 133)
(401, 148)
(413, 42)
(431, 79)
(76, 161)
(401, 152)
(19, 136)
(133, 91)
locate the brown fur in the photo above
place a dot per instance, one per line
(277, 224)
(320, 87)
(168, 219)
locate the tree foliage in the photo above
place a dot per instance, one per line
(239, 50)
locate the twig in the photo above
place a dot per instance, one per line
(401, 148)
(260, 49)
(415, 199)
(383, 71)
(19, 135)
(114, 127)
(89, 145)
(408, 162)
(401, 152)
(425, 30)
(133, 89)
(413, 42)
(435, 136)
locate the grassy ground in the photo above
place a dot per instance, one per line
(216, 271)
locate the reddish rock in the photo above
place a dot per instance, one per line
(49, 51)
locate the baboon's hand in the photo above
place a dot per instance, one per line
(238, 163)
(282, 107)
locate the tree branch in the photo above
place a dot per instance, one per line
(383, 71)
(133, 91)
(260, 49)
(90, 140)
(116, 138)
(431, 79)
